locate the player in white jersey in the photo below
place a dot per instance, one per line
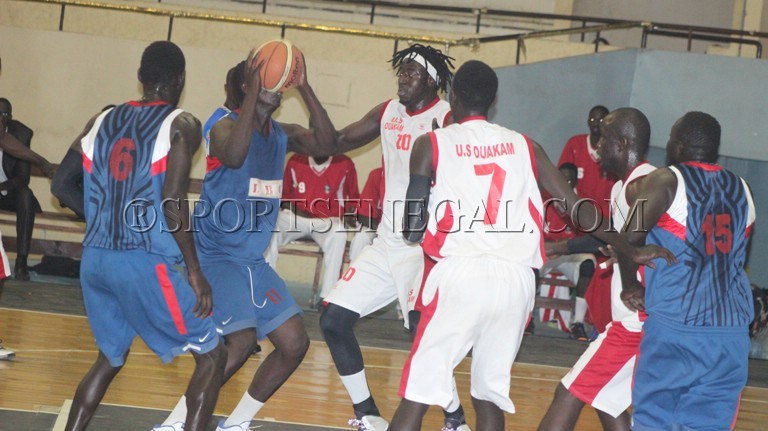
(602, 377)
(389, 269)
(480, 182)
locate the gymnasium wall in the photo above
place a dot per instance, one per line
(550, 102)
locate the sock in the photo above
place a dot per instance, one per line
(179, 413)
(357, 386)
(245, 410)
(455, 404)
(579, 310)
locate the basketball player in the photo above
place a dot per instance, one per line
(389, 270)
(692, 365)
(245, 160)
(140, 272)
(602, 377)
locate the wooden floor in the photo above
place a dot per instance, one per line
(54, 351)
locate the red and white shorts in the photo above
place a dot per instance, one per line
(5, 267)
(480, 303)
(602, 377)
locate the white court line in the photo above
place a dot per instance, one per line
(61, 420)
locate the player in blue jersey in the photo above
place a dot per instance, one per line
(140, 272)
(234, 221)
(692, 364)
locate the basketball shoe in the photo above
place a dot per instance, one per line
(244, 426)
(578, 332)
(369, 423)
(6, 354)
(176, 426)
(454, 425)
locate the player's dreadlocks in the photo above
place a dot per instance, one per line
(439, 61)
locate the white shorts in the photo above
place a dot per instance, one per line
(381, 274)
(602, 377)
(480, 303)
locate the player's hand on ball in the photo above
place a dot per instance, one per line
(252, 73)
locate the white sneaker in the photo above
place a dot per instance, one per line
(370, 423)
(176, 426)
(245, 426)
(6, 354)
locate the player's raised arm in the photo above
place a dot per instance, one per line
(230, 140)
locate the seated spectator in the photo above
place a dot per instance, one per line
(15, 194)
(368, 212)
(320, 195)
(578, 267)
(594, 183)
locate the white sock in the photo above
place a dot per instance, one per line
(245, 410)
(579, 310)
(357, 386)
(455, 402)
(179, 413)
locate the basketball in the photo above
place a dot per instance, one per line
(282, 62)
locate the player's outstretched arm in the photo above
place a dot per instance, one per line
(12, 146)
(186, 134)
(554, 182)
(230, 140)
(67, 182)
(415, 216)
(355, 135)
(650, 197)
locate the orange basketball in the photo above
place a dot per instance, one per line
(282, 62)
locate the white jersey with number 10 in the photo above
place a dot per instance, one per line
(485, 199)
(399, 130)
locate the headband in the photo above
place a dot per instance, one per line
(427, 65)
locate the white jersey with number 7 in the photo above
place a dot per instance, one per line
(485, 199)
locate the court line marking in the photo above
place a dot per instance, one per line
(61, 419)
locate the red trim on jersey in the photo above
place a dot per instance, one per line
(160, 166)
(87, 164)
(447, 117)
(537, 218)
(425, 108)
(710, 167)
(533, 157)
(435, 153)
(434, 243)
(473, 118)
(748, 231)
(672, 226)
(141, 103)
(211, 163)
(427, 313)
(170, 298)
(3, 269)
(383, 108)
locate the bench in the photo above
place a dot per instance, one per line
(69, 224)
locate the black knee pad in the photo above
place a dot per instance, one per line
(587, 268)
(413, 321)
(335, 320)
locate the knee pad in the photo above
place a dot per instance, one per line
(413, 321)
(336, 319)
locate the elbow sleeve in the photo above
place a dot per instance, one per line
(415, 215)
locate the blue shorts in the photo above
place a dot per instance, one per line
(129, 293)
(248, 296)
(688, 378)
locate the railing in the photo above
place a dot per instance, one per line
(689, 33)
